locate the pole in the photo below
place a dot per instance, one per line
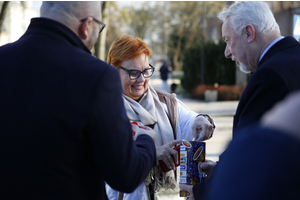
(202, 42)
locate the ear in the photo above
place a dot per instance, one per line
(250, 33)
(84, 29)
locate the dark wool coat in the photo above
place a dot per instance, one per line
(63, 126)
(276, 76)
(260, 163)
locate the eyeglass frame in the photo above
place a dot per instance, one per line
(97, 21)
(141, 72)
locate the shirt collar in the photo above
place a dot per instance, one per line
(267, 49)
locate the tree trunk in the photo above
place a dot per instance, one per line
(103, 34)
(3, 13)
(176, 56)
(100, 45)
(178, 65)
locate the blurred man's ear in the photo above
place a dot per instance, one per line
(84, 29)
(250, 33)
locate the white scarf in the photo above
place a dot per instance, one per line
(149, 111)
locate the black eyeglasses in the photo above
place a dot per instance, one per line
(102, 25)
(135, 74)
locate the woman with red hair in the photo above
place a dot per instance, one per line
(169, 117)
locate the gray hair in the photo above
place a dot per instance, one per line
(256, 13)
(73, 9)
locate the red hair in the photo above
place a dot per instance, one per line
(125, 48)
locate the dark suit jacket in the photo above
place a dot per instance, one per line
(260, 164)
(63, 126)
(277, 75)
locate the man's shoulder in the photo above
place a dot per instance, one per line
(287, 47)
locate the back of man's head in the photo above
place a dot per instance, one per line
(69, 13)
(256, 13)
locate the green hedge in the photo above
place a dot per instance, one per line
(218, 69)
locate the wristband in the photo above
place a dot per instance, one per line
(208, 118)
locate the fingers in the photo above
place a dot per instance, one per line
(207, 132)
(188, 188)
(168, 155)
(205, 166)
(169, 161)
(195, 130)
(144, 130)
(173, 143)
(202, 124)
(174, 155)
(208, 166)
(173, 152)
(134, 127)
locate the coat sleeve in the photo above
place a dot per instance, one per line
(186, 118)
(260, 163)
(123, 163)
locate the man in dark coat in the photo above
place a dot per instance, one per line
(63, 127)
(262, 162)
(254, 42)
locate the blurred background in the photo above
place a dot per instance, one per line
(186, 34)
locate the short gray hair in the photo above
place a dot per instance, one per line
(256, 13)
(76, 9)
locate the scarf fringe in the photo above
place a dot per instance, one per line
(162, 180)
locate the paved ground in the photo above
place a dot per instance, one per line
(222, 112)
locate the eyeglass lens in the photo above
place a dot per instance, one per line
(135, 74)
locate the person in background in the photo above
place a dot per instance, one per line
(64, 130)
(173, 87)
(168, 116)
(164, 72)
(254, 42)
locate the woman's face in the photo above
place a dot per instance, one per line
(135, 89)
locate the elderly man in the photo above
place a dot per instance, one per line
(253, 40)
(63, 129)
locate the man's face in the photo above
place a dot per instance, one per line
(236, 47)
(95, 35)
(95, 29)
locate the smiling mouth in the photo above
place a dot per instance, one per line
(138, 87)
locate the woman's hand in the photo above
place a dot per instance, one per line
(140, 130)
(166, 152)
(208, 167)
(202, 124)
